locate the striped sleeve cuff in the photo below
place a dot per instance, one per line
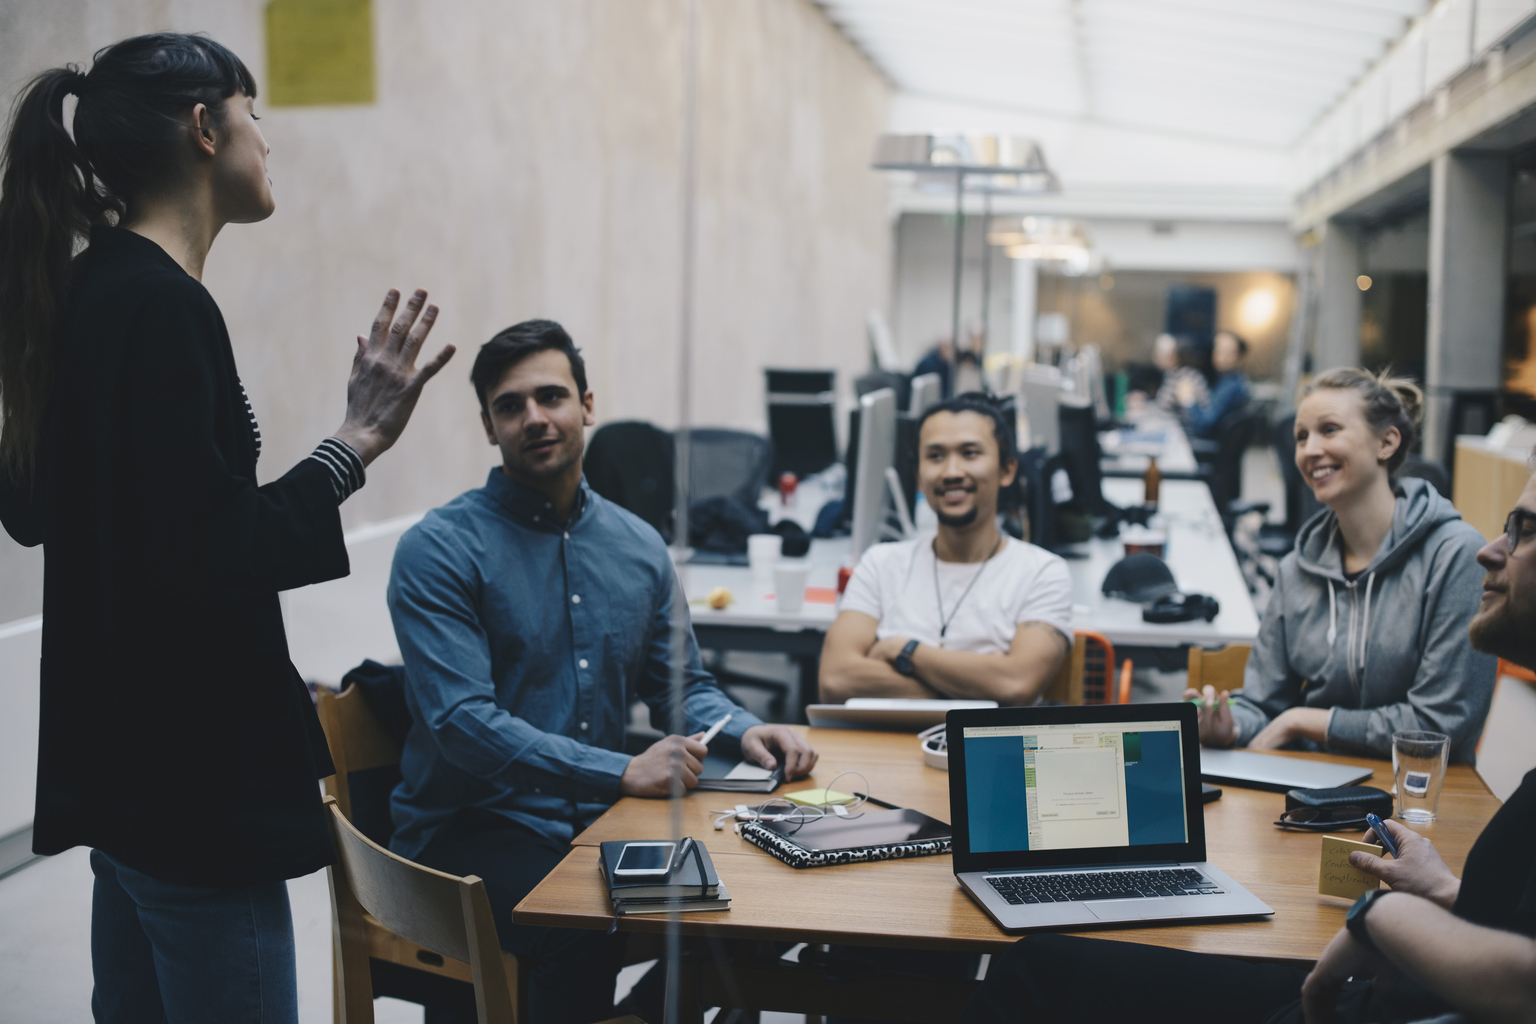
(346, 466)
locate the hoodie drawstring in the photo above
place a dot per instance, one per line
(1365, 624)
(1333, 615)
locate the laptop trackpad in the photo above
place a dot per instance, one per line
(1126, 910)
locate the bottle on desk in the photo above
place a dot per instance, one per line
(1151, 481)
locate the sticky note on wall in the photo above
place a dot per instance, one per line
(319, 52)
(1336, 876)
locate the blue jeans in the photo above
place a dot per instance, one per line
(164, 952)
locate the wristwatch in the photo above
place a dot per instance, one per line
(903, 662)
(1355, 919)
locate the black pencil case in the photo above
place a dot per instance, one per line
(1368, 798)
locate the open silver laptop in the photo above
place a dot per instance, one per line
(1067, 817)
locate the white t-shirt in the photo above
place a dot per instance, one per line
(894, 585)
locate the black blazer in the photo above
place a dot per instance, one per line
(175, 734)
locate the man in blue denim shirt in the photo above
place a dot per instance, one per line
(1231, 390)
(531, 614)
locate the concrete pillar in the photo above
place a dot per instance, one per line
(1468, 235)
(1337, 342)
(1026, 282)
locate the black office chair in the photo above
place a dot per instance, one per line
(1428, 470)
(732, 464)
(1234, 434)
(726, 464)
(630, 463)
(1277, 539)
(877, 379)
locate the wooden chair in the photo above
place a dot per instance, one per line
(358, 741)
(1222, 669)
(437, 912)
(1087, 676)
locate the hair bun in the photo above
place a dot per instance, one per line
(1408, 394)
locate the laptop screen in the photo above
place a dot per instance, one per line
(1074, 786)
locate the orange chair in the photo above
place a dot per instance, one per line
(1087, 676)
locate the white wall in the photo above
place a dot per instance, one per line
(523, 159)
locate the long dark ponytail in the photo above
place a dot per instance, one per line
(54, 188)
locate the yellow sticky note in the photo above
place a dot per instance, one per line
(818, 797)
(319, 52)
(1336, 876)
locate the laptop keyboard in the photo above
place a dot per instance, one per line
(1103, 885)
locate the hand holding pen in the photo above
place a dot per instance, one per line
(1415, 867)
(1217, 727)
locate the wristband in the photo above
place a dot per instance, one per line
(1354, 921)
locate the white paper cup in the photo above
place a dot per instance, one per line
(789, 585)
(763, 551)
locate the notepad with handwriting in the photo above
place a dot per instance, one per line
(1336, 876)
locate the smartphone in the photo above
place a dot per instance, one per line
(645, 860)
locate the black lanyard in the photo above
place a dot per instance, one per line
(939, 597)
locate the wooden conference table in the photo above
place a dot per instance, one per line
(917, 904)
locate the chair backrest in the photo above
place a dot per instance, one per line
(1300, 502)
(441, 912)
(726, 464)
(1222, 669)
(1428, 470)
(1234, 434)
(630, 464)
(358, 740)
(873, 381)
(1087, 674)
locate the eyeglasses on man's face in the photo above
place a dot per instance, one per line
(1519, 527)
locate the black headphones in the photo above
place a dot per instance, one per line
(1181, 608)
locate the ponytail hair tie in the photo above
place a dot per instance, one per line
(76, 83)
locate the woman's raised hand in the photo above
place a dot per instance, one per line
(385, 382)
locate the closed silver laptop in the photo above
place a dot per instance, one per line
(1067, 817)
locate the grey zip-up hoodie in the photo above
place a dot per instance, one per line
(1387, 652)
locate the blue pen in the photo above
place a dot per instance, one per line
(1381, 834)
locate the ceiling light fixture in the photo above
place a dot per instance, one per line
(988, 164)
(1054, 240)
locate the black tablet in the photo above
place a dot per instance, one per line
(860, 830)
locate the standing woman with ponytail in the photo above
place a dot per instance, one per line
(1365, 633)
(176, 738)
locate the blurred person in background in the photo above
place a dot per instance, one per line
(1183, 384)
(940, 360)
(1231, 391)
(176, 738)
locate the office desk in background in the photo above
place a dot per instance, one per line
(1197, 553)
(1199, 556)
(916, 904)
(1175, 457)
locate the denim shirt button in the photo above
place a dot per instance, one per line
(582, 663)
(583, 726)
(575, 599)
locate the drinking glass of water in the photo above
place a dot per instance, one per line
(1418, 764)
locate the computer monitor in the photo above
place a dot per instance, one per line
(875, 454)
(1088, 378)
(1080, 454)
(1041, 390)
(801, 420)
(927, 390)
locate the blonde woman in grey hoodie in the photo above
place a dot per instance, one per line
(1366, 630)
